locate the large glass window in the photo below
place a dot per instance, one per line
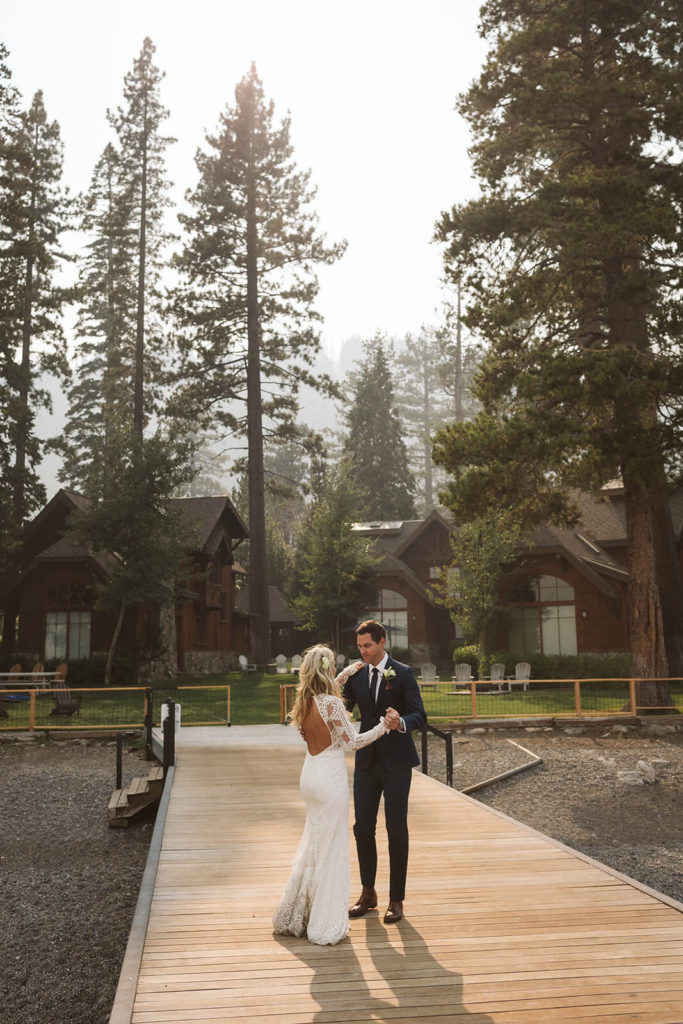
(67, 634)
(392, 612)
(547, 625)
(67, 631)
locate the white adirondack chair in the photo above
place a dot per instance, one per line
(522, 674)
(245, 665)
(428, 677)
(463, 672)
(281, 664)
(296, 662)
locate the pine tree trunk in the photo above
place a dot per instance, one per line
(112, 645)
(655, 638)
(138, 404)
(23, 414)
(259, 613)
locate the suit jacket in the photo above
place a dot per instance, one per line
(395, 751)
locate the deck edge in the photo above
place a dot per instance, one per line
(126, 990)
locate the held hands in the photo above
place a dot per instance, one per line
(392, 719)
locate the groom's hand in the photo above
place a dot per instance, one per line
(392, 718)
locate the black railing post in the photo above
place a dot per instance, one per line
(119, 759)
(169, 736)
(149, 721)
(448, 740)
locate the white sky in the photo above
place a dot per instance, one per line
(371, 87)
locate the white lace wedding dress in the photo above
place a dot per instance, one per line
(315, 902)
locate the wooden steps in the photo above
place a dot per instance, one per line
(140, 793)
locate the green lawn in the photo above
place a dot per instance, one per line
(255, 700)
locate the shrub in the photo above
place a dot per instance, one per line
(468, 653)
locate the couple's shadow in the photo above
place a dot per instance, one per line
(340, 982)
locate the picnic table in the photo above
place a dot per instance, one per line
(24, 680)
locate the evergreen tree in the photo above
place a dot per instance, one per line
(10, 120)
(572, 256)
(247, 307)
(121, 344)
(101, 397)
(373, 446)
(470, 586)
(335, 565)
(142, 146)
(131, 517)
(420, 403)
(36, 213)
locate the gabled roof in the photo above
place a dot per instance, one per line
(63, 551)
(204, 514)
(396, 536)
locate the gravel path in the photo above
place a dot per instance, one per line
(70, 882)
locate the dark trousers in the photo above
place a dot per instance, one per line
(368, 787)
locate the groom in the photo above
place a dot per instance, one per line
(384, 687)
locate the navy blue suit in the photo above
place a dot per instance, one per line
(384, 767)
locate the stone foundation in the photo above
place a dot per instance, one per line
(204, 663)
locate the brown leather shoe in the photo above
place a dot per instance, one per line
(366, 901)
(394, 912)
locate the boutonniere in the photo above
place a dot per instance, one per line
(387, 675)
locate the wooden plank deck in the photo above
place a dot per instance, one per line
(502, 925)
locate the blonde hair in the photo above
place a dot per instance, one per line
(316, 675)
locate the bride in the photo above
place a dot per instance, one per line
(316, 896)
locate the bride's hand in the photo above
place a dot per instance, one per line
(356, 667)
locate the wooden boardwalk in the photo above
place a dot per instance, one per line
(502, 925)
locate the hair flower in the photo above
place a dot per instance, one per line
(325, 661)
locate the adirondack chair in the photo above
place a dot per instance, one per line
(428, 677)
(38, 667)
(296, 662)
(339, 662)
(521, 676)
(244, 664)
(281, 664)
(498, 675)
(463, 672)
(65, 702)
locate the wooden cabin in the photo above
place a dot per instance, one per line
(54, 595)
(566, 594)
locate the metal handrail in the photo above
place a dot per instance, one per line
(448, 739)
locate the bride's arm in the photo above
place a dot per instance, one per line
(341, 727)
(348, 671)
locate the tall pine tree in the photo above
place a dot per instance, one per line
(122, 343)
(247, 308)
(34, 213)
(373, 446)
(101, 397)
(572, 255)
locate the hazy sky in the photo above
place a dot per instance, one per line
(371, 87)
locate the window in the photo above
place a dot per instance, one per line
(392, 613)
(548, 624)
(67, 634)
